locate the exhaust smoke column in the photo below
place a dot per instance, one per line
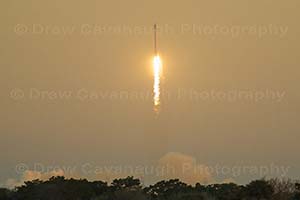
(157, 70)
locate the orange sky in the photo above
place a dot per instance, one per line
(231, 74)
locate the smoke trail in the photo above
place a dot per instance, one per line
(157, 68)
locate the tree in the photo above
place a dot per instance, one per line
(297, 192)
(128, 182)
(226, 191)
(284, 189)
(59, 188)
(4, 194)
(166, 189)
(259, 189)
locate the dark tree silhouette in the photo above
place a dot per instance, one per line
(259, 189)
(297, 193)
(4, 194)
(129, 183)
(284, 189)
(167, 189)
(228, 191)
(59, 188)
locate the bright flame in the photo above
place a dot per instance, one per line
(157, 67)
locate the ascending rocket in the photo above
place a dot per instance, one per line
(157, 72)
(155, 45)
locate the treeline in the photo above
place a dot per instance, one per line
(59, 188)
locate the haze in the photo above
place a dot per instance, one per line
(200, 58)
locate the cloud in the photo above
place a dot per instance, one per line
(170, 166)
(229, 180)
(32, 175)
(185, 168)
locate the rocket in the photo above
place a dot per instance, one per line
(155, 40)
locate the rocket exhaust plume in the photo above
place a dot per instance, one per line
(157, 70)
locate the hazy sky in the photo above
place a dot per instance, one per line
(231, 70)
